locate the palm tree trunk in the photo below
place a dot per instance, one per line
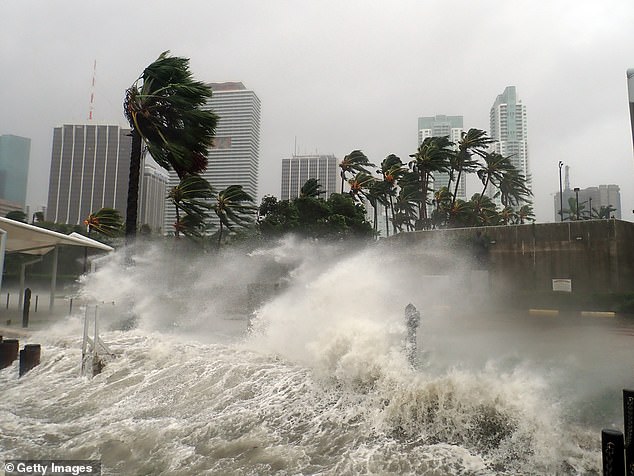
(220, 234)
(133, 188)
(455, 190)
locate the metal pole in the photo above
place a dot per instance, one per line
(577, 198)
(51, 303)
(3, 246)
(628, 423)
(561, 194)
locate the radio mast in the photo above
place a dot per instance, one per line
(91, 107)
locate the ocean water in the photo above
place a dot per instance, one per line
(319, 384)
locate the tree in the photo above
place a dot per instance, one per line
(392, 169)
(233, 206)
(192, 196)
(106, 221)
(433, 155)
(164, 107)
(473, 142)
(491, 173)
(312, 188)
(354, 162)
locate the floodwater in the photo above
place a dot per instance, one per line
(320, 384)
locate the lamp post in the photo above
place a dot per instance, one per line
(561, 194)
(576, 189)
(590, 206)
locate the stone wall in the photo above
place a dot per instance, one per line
(597, 255)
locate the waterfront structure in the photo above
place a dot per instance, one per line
(510, 132)
(591, 201)
(234, 157)
(630, 90)
(14, 170)
(440, 126)
(299, 168)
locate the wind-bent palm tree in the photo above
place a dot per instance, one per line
(312, 189)
(512, 188)
(432, 155)
(234, 206)
(164, 107)
(192, 196)
(491, 173)
(354, 162)
(473, 142)
(106, 221)
(392, 169)
(525, 213)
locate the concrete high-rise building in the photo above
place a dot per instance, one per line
(299, 168)
(90, 166)
(234, 158)
(14, 169)
(630, 91)
(440, 126)
(509, 130)
(592, 202)
(152, 197)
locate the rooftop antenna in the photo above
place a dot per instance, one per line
(295, 149)
(92, 92)
(567, 179)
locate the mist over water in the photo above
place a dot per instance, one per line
(321, 383)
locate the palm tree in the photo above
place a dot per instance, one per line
(525, 213)
(392, 169)
(512, 188)
(312, 188)
(164, 107)
(491, 173)
(106, 221)
(474, 141)
(193, 197)
(233, 206)
(354, 162)
(432, 155)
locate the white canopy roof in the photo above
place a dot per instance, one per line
(24, 238)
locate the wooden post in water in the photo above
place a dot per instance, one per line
(628, 423)
(29, 357)
(26, 307)
(612, 453)
(8, 352)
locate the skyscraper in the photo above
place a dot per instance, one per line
(509, 130)
(440, 126)
(234, 158)
(90, 165)
(90, 168)
(14, 168)
(630, 90)
(299, 168)
(152, 197)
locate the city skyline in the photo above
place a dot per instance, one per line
(335, 93)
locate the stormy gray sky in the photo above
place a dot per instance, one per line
(340, 75)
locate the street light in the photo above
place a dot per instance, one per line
(576, 189)
(561, 194)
